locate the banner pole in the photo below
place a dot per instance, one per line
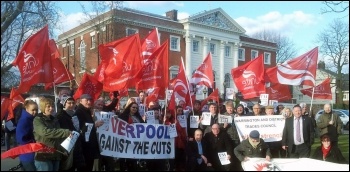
(54, 90)
(312, 98)
(188, 86)
(165, 105)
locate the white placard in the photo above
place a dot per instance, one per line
(225, 118)
(69, 142)
(105, 117)
(75, 121)
(194, 121)
(9, 125)
(182, 120)
(223, 158)
(264, 98)
(87, 133)
(172, 131)
(230, 93)
(150, 117)
(206, 118)
(161, 103)
(142, 109)
(168, 94)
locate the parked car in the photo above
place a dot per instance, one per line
(343, 114)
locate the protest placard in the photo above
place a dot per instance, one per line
(69, 142)
(206, 118)
(194, 121)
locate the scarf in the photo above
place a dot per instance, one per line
(254, 144)
(325, 151)
(70, 112)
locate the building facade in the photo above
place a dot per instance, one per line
(191, 38)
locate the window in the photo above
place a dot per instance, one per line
(212, 48)
(345, 96)
(227, 51)
(174, 70)
(300, 96)
(82, 56)
(195, 46)
(241, 54)
(267, 58)
(130, 31)
(72, 49)
(174, 43)
(93, 42)
(254, 54)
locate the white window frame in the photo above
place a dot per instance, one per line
(131, 29)
(173, 71)
(93, 42)
(251, 55)
(174, 46)
(301, 97)
(267, 61)
(345, 96)
(71, 49)
(243, 54)
(227, 50)
(193, 46)
(82, 56)
(212, 48)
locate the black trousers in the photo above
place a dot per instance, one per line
(299, 151)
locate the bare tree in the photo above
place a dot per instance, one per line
(19, 20)
(335, 6)
(285, 47)
(335, 47)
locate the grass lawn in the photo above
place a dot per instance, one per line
(343, 145)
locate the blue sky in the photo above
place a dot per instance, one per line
(299, 20)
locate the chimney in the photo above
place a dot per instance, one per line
(321, 65)
(172, 15)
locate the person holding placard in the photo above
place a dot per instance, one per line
(180, 140)
(252, 147)
(87, 127)
(47, 130)
(65, 118)
(214, 118)
(218, 142)
(197, 112)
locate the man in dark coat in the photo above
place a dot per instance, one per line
(218, 142)
(298, 134)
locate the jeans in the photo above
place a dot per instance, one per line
(47, 165)
(8, 137)
(28, 166)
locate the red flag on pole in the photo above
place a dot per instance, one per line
(278, 92)
(213, 96)
(150, 44)
(298, 71)
(33, 61)
(5, 103)
(204, 73)
(322, 91)
(249, 78)
(88, 85)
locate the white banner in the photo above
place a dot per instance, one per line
(137, 141)
(270, 127)
(292, 164)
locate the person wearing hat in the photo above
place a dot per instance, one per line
(252, 147)
(91, 150)
(269, 110)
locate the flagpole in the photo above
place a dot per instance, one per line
(54, 90)
(187, 86)
(312, 98)
(165, 105)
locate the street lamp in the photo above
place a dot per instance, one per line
(205, 91)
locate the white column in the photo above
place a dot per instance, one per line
(222, 66)
(236, 45)
(205, 46)
(188, 64)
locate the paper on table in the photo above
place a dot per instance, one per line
(69, 142)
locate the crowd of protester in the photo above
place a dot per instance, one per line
(196, 149)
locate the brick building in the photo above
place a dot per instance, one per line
(191, 38)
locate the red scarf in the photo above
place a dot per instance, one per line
(325, 151)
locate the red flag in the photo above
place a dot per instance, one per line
(154, 94)
(150, 44)
(181, 89)
(298, 71)
(204, 73)
(322, 91)
(249, 78)
(278, 92)
(88, 85)
(154, 73)
(15, 101)
(27, 148)
(60, 73)
(99, 74)
(213, 96)
(172, 102)
(5, 103)
(123, 65)
(33, 61)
